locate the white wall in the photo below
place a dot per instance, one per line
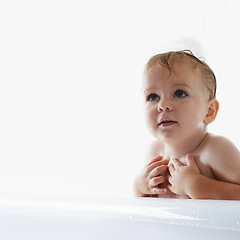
(70, 106)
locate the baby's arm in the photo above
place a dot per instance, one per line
(207, 188)
(188, 180)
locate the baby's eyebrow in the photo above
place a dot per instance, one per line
(182, 85)
(149, 90)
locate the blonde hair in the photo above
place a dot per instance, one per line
(167, 59)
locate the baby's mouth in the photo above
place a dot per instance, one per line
(166, 123)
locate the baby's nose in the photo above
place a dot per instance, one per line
(164, 106)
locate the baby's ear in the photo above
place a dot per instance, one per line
(213, 107)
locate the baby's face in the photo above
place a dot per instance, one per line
(175, 103)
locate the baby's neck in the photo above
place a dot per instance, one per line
(179, 150)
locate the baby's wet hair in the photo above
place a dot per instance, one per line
(167, 60)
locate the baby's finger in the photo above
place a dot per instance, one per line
(171, 168)
(170, 187)
(157, 180)
(190, 160)
(156, 159)
(159, 190)
(176, 163)
(158, 171)
(170, 179)
(163, 162)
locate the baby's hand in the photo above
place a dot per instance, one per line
(152, 175)
(181, 176)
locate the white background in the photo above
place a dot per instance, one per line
(70, 74)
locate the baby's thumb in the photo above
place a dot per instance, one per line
(190, 159)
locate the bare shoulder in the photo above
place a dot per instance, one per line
(223, 158)
(154, 149)
(218, 144)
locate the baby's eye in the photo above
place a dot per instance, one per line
(180, 94)
(152, 97)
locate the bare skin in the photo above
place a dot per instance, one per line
(177, 110)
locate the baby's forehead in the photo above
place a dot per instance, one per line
(178, 68)
(179, 74)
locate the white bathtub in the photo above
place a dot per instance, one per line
(59, 217)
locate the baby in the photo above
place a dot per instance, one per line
(185, 161)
